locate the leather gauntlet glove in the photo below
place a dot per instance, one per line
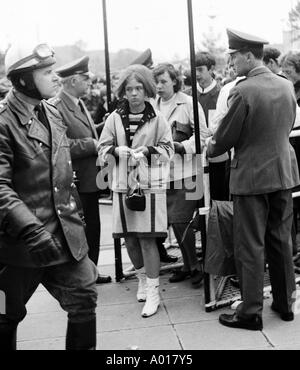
(43, 247)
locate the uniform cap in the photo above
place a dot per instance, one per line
(24, 57)
(145, 59)
(76, 67)
(239, 40)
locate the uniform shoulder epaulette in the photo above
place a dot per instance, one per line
(54, 101)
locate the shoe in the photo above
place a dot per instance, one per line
(285, 316)
(167, 258)
(153, 300)
(103, 279)
(197, 277)
(141, 294)
(234, 281)
(179, 276)
(233, 321)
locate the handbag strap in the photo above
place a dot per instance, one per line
(125, 122)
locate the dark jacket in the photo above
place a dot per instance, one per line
(36, 183)
(262, 111)
(295, 141)
(81, 131)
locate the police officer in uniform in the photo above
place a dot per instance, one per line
(83, 138)
(42, 239)
(262, 110)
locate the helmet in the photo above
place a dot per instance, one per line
(24, 58)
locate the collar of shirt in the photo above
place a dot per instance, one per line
(73, 98)
(208, 88)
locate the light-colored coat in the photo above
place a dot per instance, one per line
(181, 118)
(156, 133)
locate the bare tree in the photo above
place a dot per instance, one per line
(211, 42)
(294, 20)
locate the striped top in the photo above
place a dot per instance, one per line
(134, 123)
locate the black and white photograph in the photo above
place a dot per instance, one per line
(149, 178)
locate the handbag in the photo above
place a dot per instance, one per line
(135, 199)
(181, 131)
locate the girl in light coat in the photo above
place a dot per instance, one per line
(138, 141)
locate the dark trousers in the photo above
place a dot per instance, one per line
(187, 246)
(219, 180)
(262, 224)
(73, 284)
(90, 206)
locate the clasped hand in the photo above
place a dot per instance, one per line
(126, 152)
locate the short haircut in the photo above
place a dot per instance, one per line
(204, 58)
(173, 73)
(292, 58)
(257, 52)
(142, 74)
(67, 80)
(271, 53)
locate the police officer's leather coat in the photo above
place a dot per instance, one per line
(36, 183)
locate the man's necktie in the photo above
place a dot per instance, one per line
(81, 106)
(41, 115)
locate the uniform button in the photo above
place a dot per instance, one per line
(56, 190)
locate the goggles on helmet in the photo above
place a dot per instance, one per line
(40, 54)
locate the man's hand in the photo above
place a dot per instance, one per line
(42, 246)
(123, 152)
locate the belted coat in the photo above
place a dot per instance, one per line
(36, 182)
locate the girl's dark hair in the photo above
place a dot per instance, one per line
(173, 73)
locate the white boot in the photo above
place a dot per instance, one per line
(152, 301)
(142, 287)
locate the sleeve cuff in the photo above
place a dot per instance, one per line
(19, 219)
